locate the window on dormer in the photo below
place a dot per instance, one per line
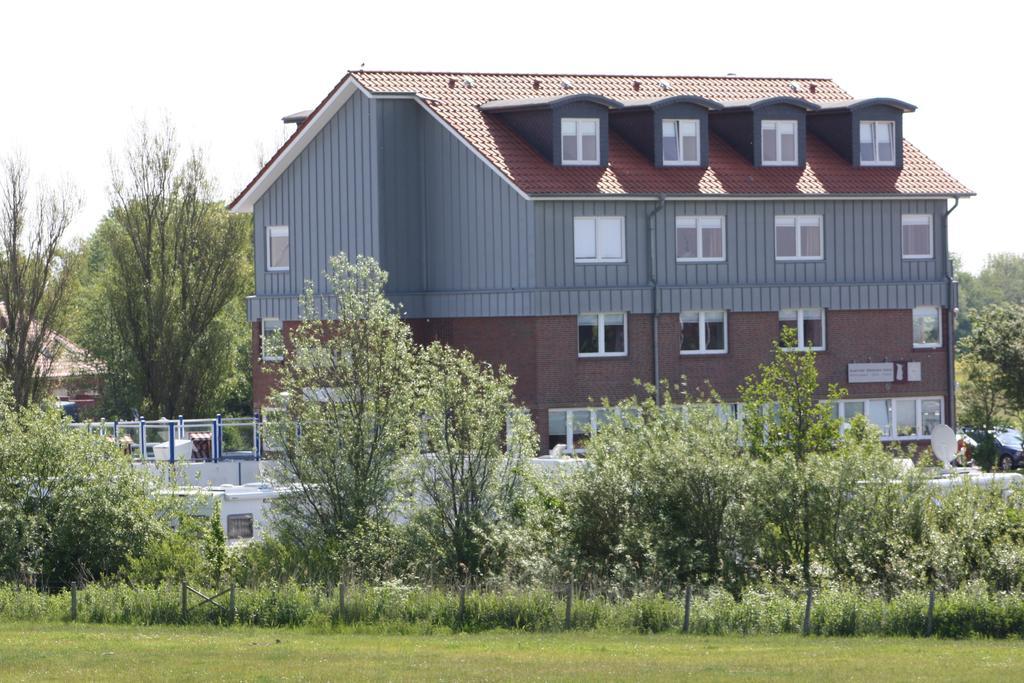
(680, 142)
(778, 143)
(877, 143)
(579, 142)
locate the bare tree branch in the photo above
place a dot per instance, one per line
(36, 274)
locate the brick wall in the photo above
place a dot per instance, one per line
(263, 381)
(850, 337)
(541, 352)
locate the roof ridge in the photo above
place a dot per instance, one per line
(455, 72)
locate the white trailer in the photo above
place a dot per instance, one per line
(246, 511)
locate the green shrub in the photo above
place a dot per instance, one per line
(971, 611)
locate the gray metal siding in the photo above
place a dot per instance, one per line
(536, 126)
(556, 267)
(401, 194)
(835, 130)
(479, 233)
(384, 178)
(862, 265)
(737, 129)
(862, 243)
(328, 200)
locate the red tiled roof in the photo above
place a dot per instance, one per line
(629, 171)
(61, 358)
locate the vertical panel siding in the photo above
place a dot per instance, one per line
(862, 243)
(384, 178)
(478, 229)
(401, 194)
(328, 200)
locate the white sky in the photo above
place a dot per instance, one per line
(76, 77)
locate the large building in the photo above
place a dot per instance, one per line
(586, 231)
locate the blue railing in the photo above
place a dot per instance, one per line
(230, 438)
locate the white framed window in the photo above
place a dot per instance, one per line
(809, 326)
(779, 143)
(927, 327)
(680, 142)
(278, 247)
(897, 418)
(580, 142)
(917, 236)
(877, 143)
(271, 340)
(799, 238)
(703, 332)
(700, 238)
(571, 427)
(600, 239)
(240, 526)
(601, 334)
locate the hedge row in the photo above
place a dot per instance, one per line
(836, 612)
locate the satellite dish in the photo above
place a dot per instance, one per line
(944, 444)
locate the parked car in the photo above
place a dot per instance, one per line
(1009, 445)
(70, 409)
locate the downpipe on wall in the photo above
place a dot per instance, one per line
(951, 324)
(653, 279)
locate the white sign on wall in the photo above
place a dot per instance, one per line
(914, 372)
(859, 373)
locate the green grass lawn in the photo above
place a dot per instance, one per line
(111, 653)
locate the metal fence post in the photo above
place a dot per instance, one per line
(142, 437)
(257, 442)
(181, 426)
(115, 430)
(218, 440)
(686, 609)
(170, 439)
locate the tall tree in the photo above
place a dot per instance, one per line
(980, 400)
(786, 424)
(996, 340)
(178, 260)
(344, 420)
(36, 273)
(1001, 280)
(478, 442)
(783, 411)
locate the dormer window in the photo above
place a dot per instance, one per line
(778, 143)
(876, 143)
(579, 142)
(680, 142)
